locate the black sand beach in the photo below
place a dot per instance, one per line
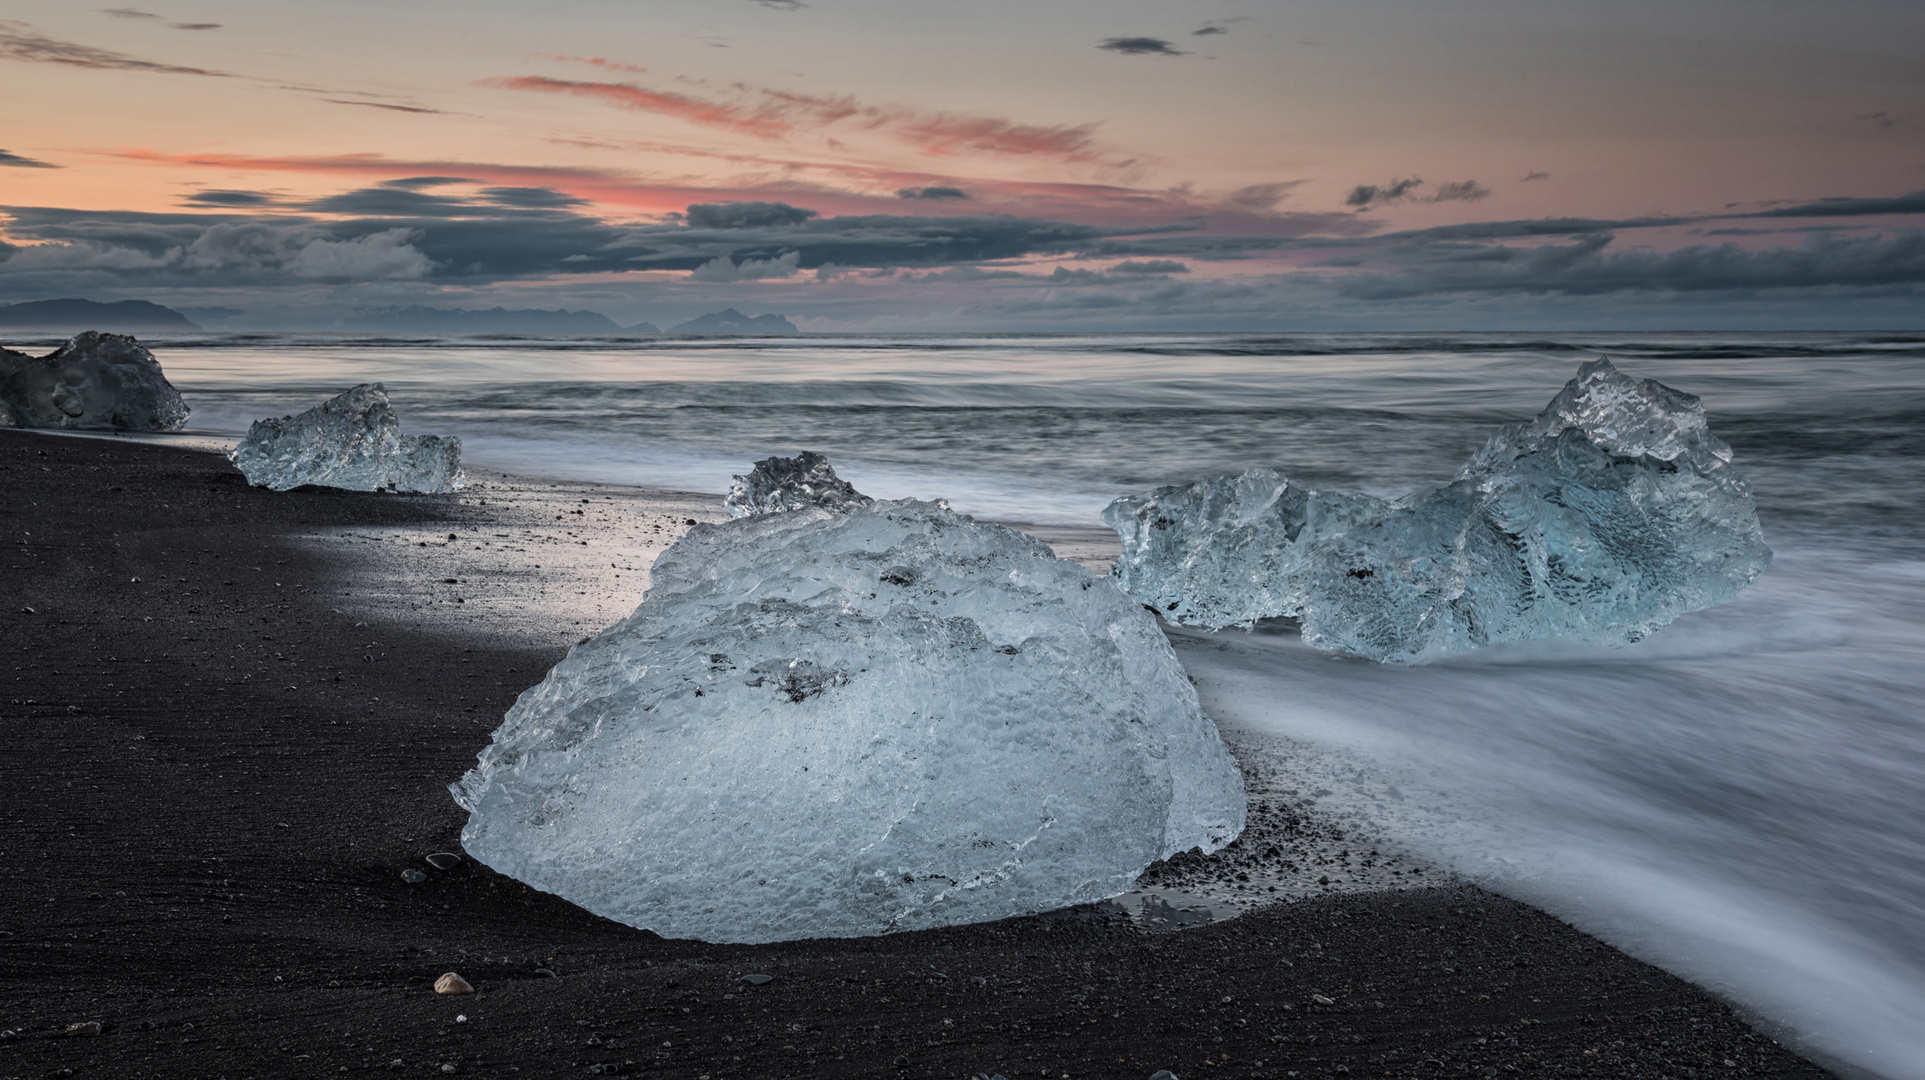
(212, 778)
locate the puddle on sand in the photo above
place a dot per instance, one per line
(1152, 909)
(1168, 909)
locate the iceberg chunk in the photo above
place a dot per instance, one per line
(780, 484)
(93, 381)
(1605, 518)
(1617, 413)
(351, 441)
(837, 725)
(1230, 550)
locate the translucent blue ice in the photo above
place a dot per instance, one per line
(351, 441)
(835, 724)
(1605, 518)
(780, 484)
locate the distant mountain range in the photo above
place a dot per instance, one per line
(205, 315)
(731, 321)
(418, 319)
(127, 316)
(72, 316)
(429, 320)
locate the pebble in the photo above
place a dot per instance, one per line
(758, 980)
(85, 1027)
(1162, 1074)
(1321, 1000)
(413, 877)
(444, 860)
(452, 984)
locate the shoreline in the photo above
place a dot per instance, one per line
(252, 740)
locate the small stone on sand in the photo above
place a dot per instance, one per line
(413, 877)
(85, 1027)
(444, 860)
(452, 984)
(758, 980)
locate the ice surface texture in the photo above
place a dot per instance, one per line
(352, 441)
(1605, 518)
(93, 381)
(778, 484)
(835, 725)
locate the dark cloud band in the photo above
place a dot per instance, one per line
(1140, 46)
(15, 161)
(18, 41)
(936, 193)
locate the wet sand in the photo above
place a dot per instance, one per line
(233, 716)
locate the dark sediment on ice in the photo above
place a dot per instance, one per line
(213, 782)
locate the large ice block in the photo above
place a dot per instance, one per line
(1605, 518)
(93, 381)
(779, 484)
(832, 725)
(350, 441)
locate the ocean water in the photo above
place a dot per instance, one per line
(1740, 799)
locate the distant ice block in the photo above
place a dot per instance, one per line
(1605, 518)
(352, 441)
(94, 381)
(779, 484)
(836, 725)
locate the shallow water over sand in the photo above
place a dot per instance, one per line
(1734, 799)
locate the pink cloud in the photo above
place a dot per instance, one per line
(630, 96)
(943, 134)
(772, 114)
(822, 110)
(595, 61)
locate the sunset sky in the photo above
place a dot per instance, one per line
(1044, 165)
